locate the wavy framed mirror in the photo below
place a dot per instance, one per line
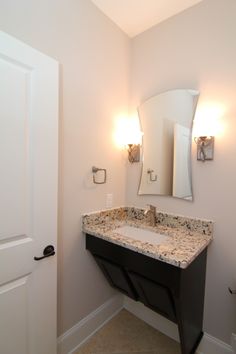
(166, 121)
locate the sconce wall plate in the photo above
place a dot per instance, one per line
(133, 153)
(205, 147)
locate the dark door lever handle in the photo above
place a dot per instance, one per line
(47, 252)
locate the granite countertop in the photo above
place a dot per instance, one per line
(186, 237)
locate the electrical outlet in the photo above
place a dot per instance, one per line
(109, 200)
(233, 342)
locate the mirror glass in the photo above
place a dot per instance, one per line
(166, 121)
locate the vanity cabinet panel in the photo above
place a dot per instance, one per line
(163, 273)
(117, 277)
(175, 293)
(154, 296)
(190, 302)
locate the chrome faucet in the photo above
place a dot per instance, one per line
(150, 212)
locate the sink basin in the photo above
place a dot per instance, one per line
(141, 234)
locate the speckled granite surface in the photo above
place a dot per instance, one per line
(187, 237)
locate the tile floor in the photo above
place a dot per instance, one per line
(126, 334)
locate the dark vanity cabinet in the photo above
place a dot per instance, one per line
(173, 292)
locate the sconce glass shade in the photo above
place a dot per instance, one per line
(133, 137)
(208, 119)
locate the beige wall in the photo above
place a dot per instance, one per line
(94, 58)
(197, 49)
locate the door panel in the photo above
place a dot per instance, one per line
(28, 202)
(14, 150)
(13, 308)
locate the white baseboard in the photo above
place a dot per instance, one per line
(212, 345)
(72, 339)
(208, 345)
(152, 318)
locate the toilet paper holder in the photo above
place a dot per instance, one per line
(95, 170)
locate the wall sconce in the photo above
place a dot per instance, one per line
(205, 147)
(129, 136)
(133, 144)
(207, 125)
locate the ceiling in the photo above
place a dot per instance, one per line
(136, 16)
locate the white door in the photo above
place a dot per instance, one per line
(28, 198)
(181, 168)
